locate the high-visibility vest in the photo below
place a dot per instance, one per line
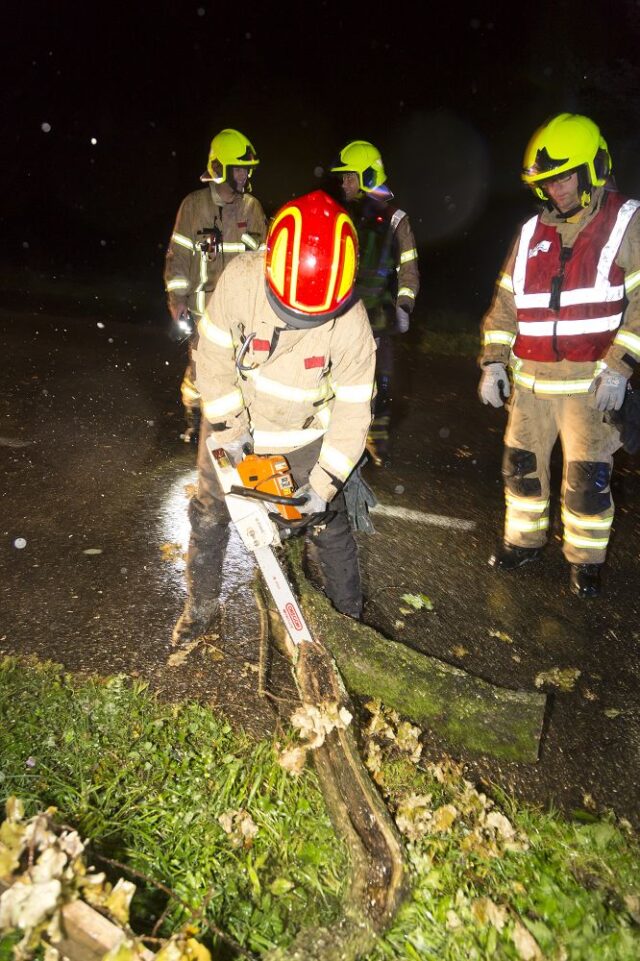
(570, 301)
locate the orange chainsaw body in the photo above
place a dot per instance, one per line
(270, 473)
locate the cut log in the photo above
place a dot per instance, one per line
(467, 714)
(86, 934)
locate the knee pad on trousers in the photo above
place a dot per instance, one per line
(517, 462)
(587, 487)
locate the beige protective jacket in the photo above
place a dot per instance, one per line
(190, 273)
(500, 323)
(301, 385)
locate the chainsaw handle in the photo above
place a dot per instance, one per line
(291, 528)
(270, 498)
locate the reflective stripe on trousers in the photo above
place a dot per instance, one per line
(535, 423)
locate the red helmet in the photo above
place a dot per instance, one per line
(312, 256)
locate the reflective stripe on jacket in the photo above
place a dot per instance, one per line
(298, 385)
(500, 325)
(190, 274)
(388, 256)
(590, 286)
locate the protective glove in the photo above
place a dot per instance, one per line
(314, 503)
(610, 389)
(494, 385)
(236, 449)
(182, 325)
(402, 320)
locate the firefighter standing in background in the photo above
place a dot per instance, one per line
(388, 278)
(285, 364)
(213, 226)
(566, 319)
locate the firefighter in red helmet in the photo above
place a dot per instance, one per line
(285, 364)
(565, 321)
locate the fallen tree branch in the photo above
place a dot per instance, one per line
(468, 714)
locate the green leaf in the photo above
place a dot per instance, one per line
(418, 601)
(280, 886)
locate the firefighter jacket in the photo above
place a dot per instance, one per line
(388, 259)
(296, 386)
(568, 302)
(208, 233)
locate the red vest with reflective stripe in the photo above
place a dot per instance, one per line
(592, 291)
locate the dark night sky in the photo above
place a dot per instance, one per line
(450, 104)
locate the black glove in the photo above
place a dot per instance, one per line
(627, 420)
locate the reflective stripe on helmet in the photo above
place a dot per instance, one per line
(285, 261)
(311, 260)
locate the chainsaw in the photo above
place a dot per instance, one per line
(248, 487)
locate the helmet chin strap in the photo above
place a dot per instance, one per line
(568, 214)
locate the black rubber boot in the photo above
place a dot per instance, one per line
(508, 557)
(584, 580)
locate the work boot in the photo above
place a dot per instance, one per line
(508, 557)
(191, 432)
(195, 621)
(584, 580)
(378, 451)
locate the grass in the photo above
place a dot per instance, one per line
(450, 333)
(147, 782)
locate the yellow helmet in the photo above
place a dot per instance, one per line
(362, 158)
(229, 148)
(567, 143)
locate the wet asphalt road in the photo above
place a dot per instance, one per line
(95, 483)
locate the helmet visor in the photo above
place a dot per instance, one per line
(248, 157)
(544, 165)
